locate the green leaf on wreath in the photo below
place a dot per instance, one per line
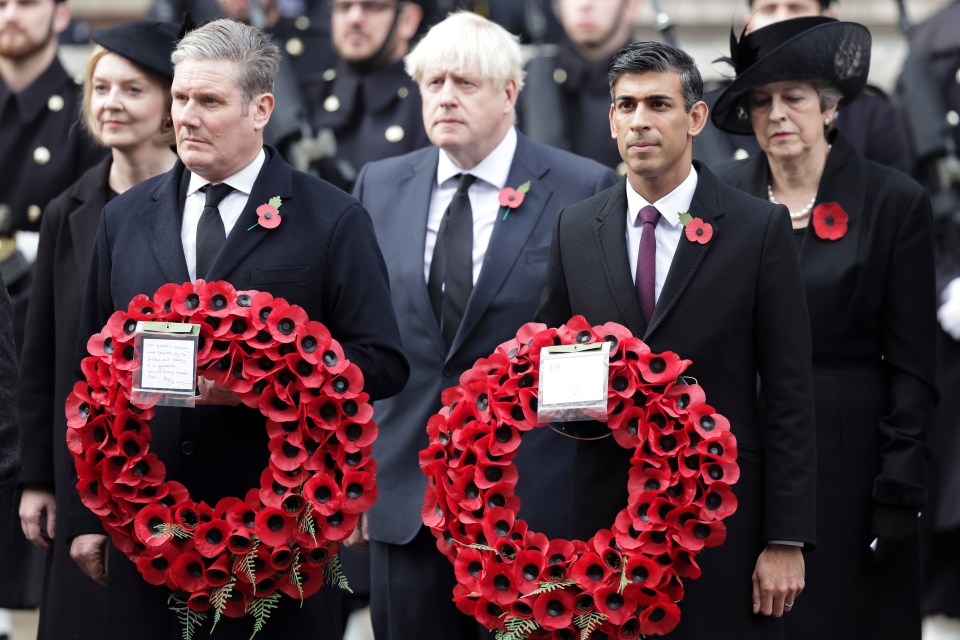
(517, 629)
(546, 586)
(307, 524)
(624, 580)
(294, 576)
(333, 574)
(476, 545)
(218, 601)
(260, 609)
(685, 218)
(170, 529)
(248, 564)
(588, 622)
(190, 620)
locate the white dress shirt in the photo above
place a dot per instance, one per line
(484, 197)
(668, 230)
(230, 207)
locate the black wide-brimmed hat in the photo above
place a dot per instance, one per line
(815, 48)
(148, 44)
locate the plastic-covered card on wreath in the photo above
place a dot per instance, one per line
(166, 363)
(573, 382)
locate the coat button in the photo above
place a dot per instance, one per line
(559, 75)
(294, 47)
(394, 133)
(55, 103)
(302, 23)
(33, 213)
(188, 448)
(330, 75)
(331, 104)
(41, 155)
(403, 92)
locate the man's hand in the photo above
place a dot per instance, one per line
(359, 540)
(36, 504)
(213, 394)
(777, 579)
(89, 551)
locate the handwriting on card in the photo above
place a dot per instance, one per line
(168, 365)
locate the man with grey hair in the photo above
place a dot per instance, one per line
(465, 273)
(323, 257)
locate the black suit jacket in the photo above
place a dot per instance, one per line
(323, 257)
(735, 307)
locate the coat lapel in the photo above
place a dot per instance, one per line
(705, 205)
(160, 219)
(611, 234)
(90, 196)
(275, 179)
(509, 237)
(413, 192)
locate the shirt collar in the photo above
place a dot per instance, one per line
(241, 181)
(494, 169)
(670, 206)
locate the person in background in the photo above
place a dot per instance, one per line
(42, 152)
(464, 277)
(366, 99)
(863, 234)
(873, 124)
(126, 108)
(327, 252)
(567, 99)
(9, 440)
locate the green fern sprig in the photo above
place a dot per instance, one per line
(624, 580)
(249, 565)
(517, 629)
(170, 529)
(190, 620)
(546, 586)
(588, 622)
(333, 574)
(260, 609)
(294, 576)
(307, 523)
(218, 601)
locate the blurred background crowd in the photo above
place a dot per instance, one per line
(345, 100)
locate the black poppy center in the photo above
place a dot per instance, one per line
(707, 423)
(214, 536)
(329, 358)
(286, 326)
(501, 583)
(218, 302)
(341, 384)
(354, 431)
(614, 601)
(595, 572)
(639, 574)
(713, 501)
(354, 490)
(555, 608)
(658, 365)
(275, 523)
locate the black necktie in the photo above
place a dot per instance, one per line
(451, 269)
(210, 232)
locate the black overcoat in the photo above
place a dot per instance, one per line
(872, 302)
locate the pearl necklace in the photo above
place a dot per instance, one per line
(799, 215)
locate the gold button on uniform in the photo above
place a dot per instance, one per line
(331, 104)
(33, 213)
(330, 74)
(403, 92)
(394, 133)
(741, 154)
(559, 76)
(294, 47)
(41, 155)
(55, 103)
(953, 118)
(302, 23)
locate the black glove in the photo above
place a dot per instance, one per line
(892, 529)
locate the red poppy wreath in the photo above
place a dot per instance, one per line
(239, 556)
(625, 581)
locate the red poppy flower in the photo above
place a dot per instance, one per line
(681, 397)
(659, 368)
(218, 299)
(660, 618)
(284, 320)
(268, 215)
(589, 571)
(488, 613)
(337, 526)
(830, 221)
(510, 198)
(210, 538)
(236, 605)
(187, 571)
(354, 436)
(719, 501)
(699, 231)
(218, 573)
(141, 307)
(186, 299)
(643, 571)
(467, 568)
(359, 491)
(345, 384)
(554, 609)
(273, 526)
(527, 569)
(616, 606)
(323, 493)
(708, 423)
(155, 564)
(496, 584)
(121, 326)
(285, 454)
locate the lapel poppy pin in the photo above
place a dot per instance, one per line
(696, 229)
(268, 214)
(830, 221)
(511, 198)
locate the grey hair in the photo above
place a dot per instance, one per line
(257, 59)
(658, 57)
(830, 95)
(465, 41)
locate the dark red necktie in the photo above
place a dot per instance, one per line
(646, 281)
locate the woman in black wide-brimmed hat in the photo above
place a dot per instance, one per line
(863, 234)
(125, 107)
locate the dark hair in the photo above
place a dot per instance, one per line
(824, 4)
(657, 57)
